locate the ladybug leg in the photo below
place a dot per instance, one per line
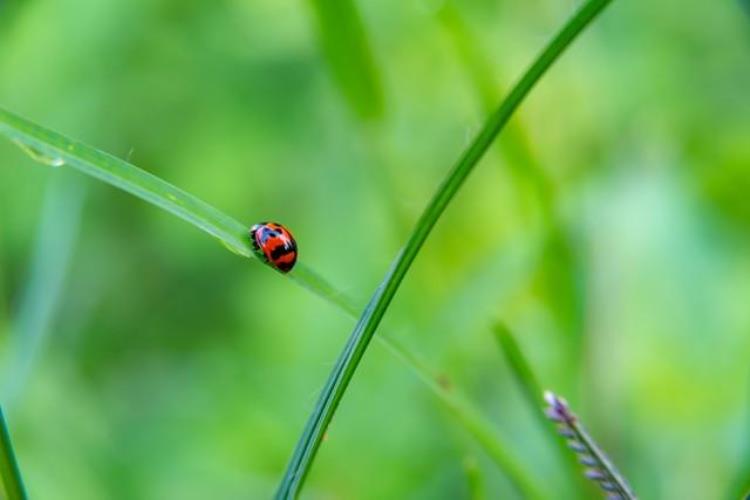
(252, 238)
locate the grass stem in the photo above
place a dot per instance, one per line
(349, 359)
(11, 475)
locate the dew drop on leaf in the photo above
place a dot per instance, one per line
(41, 157)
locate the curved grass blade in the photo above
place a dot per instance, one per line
(359, 340)
(11, 475)
(516, 144)
(54, 149)
(561, 262)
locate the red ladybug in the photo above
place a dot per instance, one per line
(276, 244)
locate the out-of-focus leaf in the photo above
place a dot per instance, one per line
(57, 235)
(345, 46)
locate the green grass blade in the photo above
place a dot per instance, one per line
(532, 393)
(474, 480)
(54, 149)
(11, 475)
(349, 359)
(516, 145)
(561, 266)
(476, 424)
(740, 486)
(520, 368)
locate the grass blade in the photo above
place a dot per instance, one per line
(349, 359)
(560, 265)
(476, 424)
(51, 148)
(532, 393)
(516, 145)
(11, 475)
(54, 149)
(740, 486)
(520, 367)
(474, 481)
(598, 467)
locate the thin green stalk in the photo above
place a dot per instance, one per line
(474, 480)
(532, 393)
(740, 486)
(473, 421)
(11, 475)
(359, 340)
(520, 368)
(465, 413)
(561, 262)
(516, 145)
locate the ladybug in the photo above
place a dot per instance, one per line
(276, 244)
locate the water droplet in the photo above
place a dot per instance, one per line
(36, 155)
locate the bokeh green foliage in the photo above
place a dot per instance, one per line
(174, 369)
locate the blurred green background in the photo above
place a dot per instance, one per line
(608, 229)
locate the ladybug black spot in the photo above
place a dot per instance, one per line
(280, 251)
